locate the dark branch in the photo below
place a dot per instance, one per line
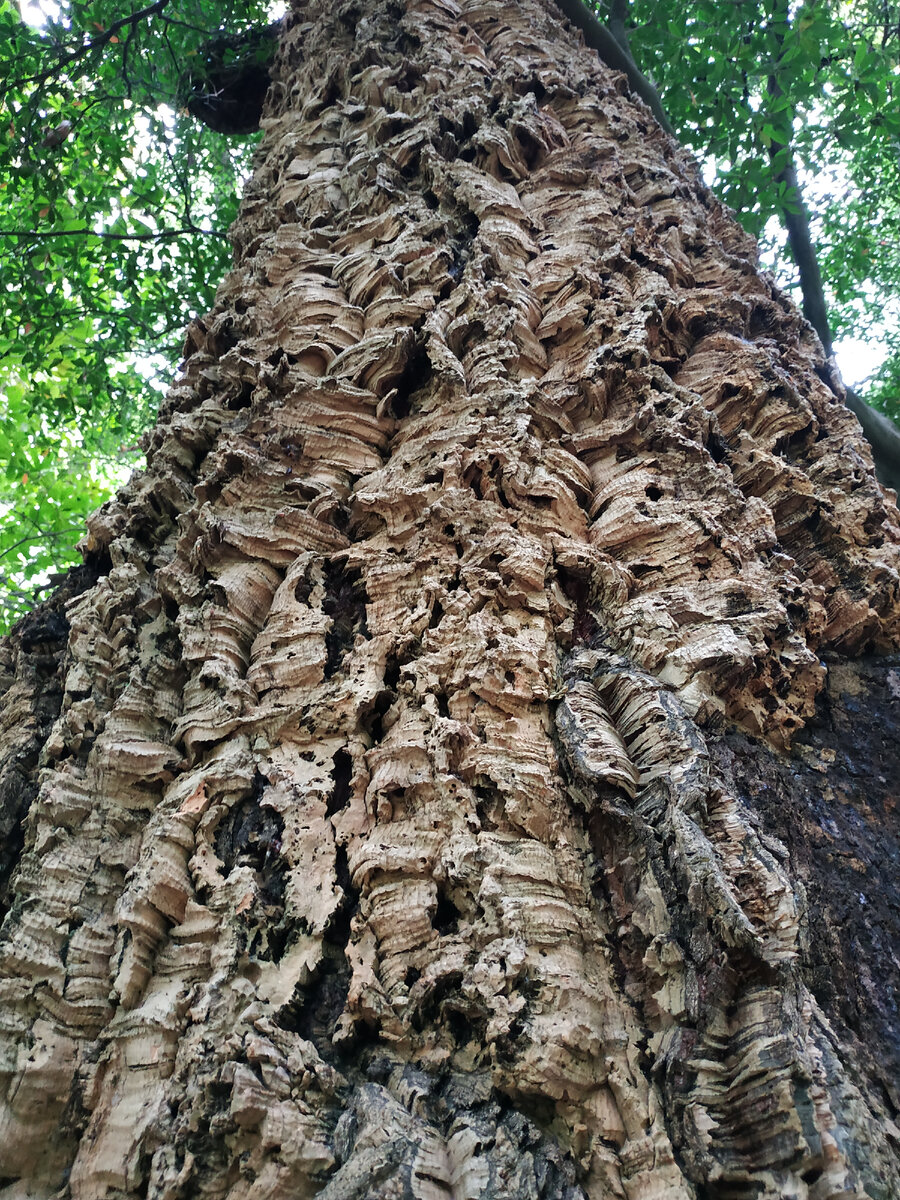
(796, 222)
(616, 55)
(163, 236)
(38, 536)
(882, 435)
(95, 43)
(880, 432)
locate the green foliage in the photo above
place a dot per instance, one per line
(114, 206)
(42, 512)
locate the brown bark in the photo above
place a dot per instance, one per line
(420, 819)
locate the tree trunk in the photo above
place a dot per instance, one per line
(408, 794)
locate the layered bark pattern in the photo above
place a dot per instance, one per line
(379, 850)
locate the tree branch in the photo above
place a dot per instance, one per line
(94, 43)
(164, 236)
(40, 535)
(618, 13)
(616, 55)
(882, 435)
(799, 235)
(880, 432)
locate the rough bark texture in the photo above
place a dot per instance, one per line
(419, 818)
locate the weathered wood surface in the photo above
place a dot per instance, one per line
(382, 839)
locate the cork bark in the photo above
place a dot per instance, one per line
(450, 778)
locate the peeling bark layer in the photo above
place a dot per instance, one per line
(385, 843)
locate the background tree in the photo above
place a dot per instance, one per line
(400, 798)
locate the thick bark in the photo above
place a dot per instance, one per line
(418, 819)
(611, 43)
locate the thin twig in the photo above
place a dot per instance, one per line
(163, 236)
(95, 43)
(41, 535)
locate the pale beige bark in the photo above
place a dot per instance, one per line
(379, 848)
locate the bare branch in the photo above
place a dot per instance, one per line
(95, 43)
(163, 236)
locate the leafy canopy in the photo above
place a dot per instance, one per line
(114, 206)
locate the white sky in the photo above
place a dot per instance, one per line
(857, 360)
